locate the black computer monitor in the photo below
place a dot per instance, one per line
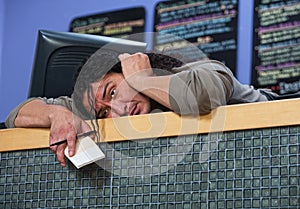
(59, 54)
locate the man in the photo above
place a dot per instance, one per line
(115, 85)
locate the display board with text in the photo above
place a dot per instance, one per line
(276, 45)
(209, 26)
(117, 24)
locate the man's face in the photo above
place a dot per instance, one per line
(115, 98)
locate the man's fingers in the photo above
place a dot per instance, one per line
(123, 56)
(71, 140)
(53, 148)
(60, 155)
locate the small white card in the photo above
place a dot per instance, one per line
(86, 152)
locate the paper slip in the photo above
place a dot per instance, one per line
(87, 151)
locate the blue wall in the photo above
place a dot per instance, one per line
(21, 20)
(1, 38)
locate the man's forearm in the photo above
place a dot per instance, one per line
(36, 113)
(155, 87)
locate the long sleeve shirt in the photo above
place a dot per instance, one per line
(196, 88)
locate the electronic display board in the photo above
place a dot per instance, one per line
(276, 45)
(117, 24)
(209, 26)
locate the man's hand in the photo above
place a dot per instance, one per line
(139, 75)
(65, 125)
(135, 67)
(62, 122)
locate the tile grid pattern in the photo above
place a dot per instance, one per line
(240, 169)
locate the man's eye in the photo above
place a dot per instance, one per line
(105, 112)
(112, 93)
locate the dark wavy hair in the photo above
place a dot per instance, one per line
(103, 62)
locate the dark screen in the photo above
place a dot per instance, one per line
(61, 68)
(59, 55)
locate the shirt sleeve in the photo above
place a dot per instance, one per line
(200, 87)
(64, 101)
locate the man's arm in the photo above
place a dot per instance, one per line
(196, 90)
(139, 75)
(62, 122)
(36, 113)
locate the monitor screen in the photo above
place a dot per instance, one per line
(59, 55)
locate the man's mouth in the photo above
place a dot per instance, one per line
(134, 110)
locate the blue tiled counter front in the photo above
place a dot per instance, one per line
(238, 169)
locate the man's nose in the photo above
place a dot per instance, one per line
(118, 108)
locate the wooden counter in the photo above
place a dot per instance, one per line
(225, 118)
